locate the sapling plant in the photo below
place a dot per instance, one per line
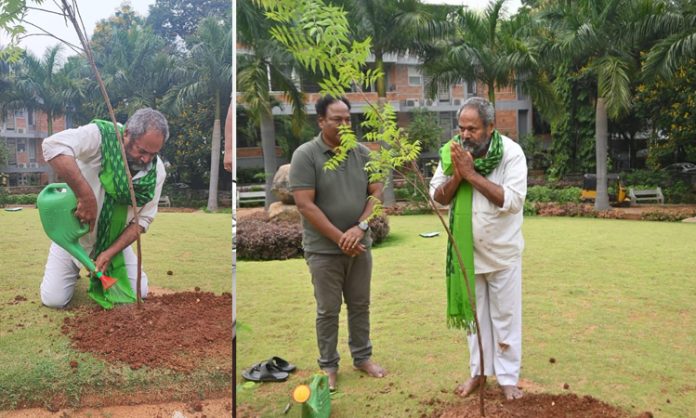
(318, 36)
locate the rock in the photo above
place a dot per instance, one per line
(280, 212)
(281, 185)
(690, 220)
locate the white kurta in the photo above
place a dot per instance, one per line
(84, 143)
(498, 245)
(498, 241)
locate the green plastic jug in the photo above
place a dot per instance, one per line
(57, 204)
(319, 403)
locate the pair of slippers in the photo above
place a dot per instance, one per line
(274, 369)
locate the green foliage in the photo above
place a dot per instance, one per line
(680, 191)
(288, 140)
(670, 103)
(573, 132)
(548, 194)
(188, 146)
(537, 158)
(675, 189)
(645, 179)
(250, 175)
(20, 199)
(12, 13)
(179, 19)
(424, 127)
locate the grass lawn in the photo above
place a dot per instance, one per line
(611, 301)
(35, 355)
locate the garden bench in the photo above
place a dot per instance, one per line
(646, 195)
(245, 196)
(164, 201)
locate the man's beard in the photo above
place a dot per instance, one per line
(476, 150)
(135, 166)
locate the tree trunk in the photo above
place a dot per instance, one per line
(268, 144)
(491, 93)
(379, 64)
(602, 198)
(214, 162)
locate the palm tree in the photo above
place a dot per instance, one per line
(46, 85)
(394, 26)
(262, 60)
(137, 66)
(599, 36)
(483, 47)
(677, 29)
(209, 75)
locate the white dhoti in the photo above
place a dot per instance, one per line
(62, 271)
(499, 310)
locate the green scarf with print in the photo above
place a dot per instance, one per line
(460, 313)
(112, 218)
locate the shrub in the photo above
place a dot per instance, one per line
(668, 216)
(549, 194)
(20, 199)
(259, 239)
(529, 208)
(250, 176)
(645, 179)
(565, 209)
(679, 191)
(379, 225)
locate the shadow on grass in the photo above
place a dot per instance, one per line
(393, 239)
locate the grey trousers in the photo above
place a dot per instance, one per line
(336, 277)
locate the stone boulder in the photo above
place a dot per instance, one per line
(280, 212)
(281, 185)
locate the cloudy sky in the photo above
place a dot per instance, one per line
(510, 5)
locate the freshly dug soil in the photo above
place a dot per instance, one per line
(175, 331)
(534, 405)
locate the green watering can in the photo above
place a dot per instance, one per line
(57, 204)
(315, 397)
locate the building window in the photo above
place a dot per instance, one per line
(522, 125)
(520, 92)
(31, 150)
(470, 88)
(10, 122)
(30, 117)
(415, 78)
(12, 152)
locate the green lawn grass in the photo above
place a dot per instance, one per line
(35, 355)
(611, 301)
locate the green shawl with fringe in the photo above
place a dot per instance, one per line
(112, 217)
(460, 313)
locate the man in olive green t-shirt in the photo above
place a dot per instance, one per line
(334, 205)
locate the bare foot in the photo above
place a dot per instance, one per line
(511, 392)
(333, 376)
(466, 389)
(371, 368)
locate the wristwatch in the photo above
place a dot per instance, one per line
(363, 225)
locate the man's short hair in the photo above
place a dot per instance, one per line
(146, 119)
(325, 101)
(485, 109)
